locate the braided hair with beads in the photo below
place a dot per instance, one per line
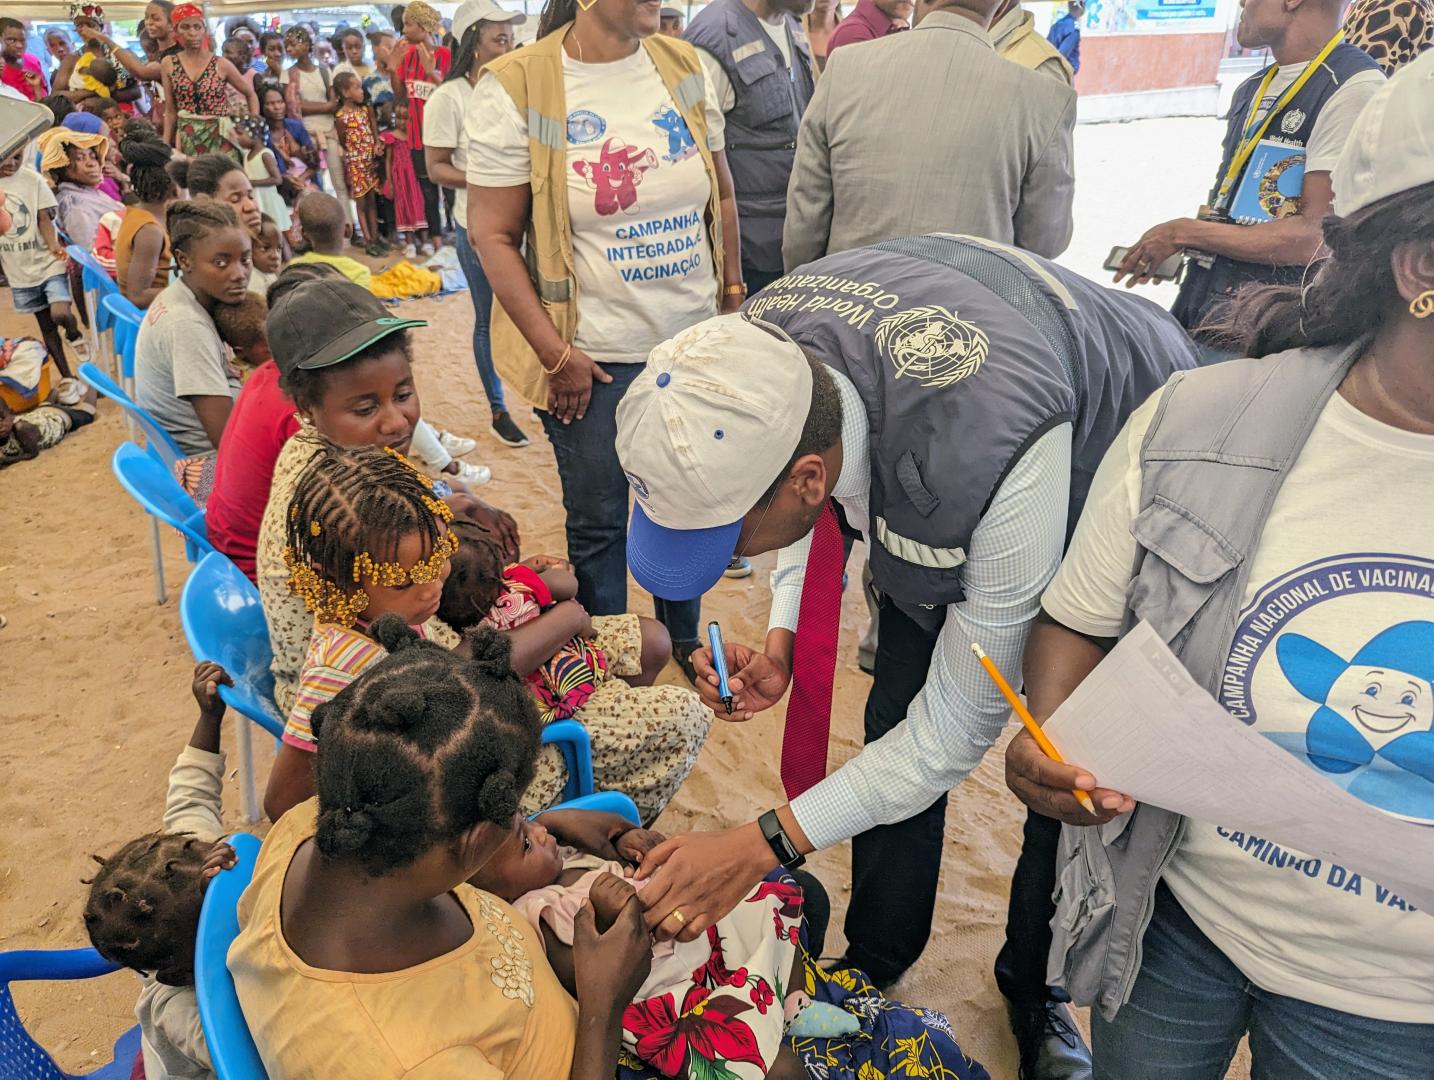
(351, 508)
(143, 907)
(421, 747)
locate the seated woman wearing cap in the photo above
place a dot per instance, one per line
(346, 364)
(1240, 486)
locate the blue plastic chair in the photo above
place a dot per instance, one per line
(223, 621)
(231, 1048)
(96, 283)
(122, 318)
(155, 437)
(145, 476)
(21, 1057)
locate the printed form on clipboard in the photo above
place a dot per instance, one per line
(1273, 181)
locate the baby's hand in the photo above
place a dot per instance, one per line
(221, 857)
(634, 844)
(609, 895)
(207, 678)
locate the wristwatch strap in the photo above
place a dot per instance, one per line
(781, 844)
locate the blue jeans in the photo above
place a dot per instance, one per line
(595, 498)
(482, 294)
(1190, 1006)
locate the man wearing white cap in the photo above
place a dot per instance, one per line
(1240, 515)
(950, 398)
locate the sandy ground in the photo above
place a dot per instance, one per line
(96, 699)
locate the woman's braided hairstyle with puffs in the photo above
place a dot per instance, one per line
(421, 747)
(143, 907)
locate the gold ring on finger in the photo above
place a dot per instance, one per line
(681, 918)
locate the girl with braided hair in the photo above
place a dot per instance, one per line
(182, 375)
(143, 906)
(363, 952)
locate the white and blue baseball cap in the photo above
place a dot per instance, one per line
(701, 434)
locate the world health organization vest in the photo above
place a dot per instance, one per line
(1206, 285)
(761, 132)
(966, 352)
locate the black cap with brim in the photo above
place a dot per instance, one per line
(324, 322)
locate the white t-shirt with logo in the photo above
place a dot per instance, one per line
(1333, 660)
(637, 199)
(23, 253)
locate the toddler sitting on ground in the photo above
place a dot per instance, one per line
(22, 437)
(143, 907)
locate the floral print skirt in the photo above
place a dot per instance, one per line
(719, 1027)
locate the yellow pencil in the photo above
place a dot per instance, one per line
(1047, 747)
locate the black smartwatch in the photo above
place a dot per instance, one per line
(780, 843)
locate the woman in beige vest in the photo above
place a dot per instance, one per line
(598, 146)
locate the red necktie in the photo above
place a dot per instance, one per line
(809, 709)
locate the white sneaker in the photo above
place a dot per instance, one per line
(410, 252)
(69, 392)
(456, 445)
(472, 475)
(81, 348)
(425, 248)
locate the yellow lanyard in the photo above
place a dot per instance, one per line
(1250, 140)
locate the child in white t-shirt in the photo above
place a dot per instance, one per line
(33, 258)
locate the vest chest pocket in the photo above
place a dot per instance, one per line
(1182, 562)
(767, 95)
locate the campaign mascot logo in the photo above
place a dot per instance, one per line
(1334, 662)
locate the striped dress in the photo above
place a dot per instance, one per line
(336, 657)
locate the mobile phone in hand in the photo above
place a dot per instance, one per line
(1169, 270)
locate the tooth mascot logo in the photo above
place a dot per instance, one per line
(1378, 702)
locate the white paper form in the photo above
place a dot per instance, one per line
(1140, 724)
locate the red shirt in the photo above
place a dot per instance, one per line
(261, 422)
(13, 76)
(419, 87)
(865, 23)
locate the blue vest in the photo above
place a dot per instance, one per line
(965, 353)
(1203, 286)
(762, 126)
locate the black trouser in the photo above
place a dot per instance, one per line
(1021, 963)
(757, 280)
(895, 867)
(431, 208)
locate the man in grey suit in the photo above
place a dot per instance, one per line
(932, 131)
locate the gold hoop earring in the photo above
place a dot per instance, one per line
(1422, 306)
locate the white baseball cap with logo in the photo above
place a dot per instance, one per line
(1391, 146)
(474, 11)
(701, 434)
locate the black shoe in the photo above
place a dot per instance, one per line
(507, 431)
(1050, 1044)
(682, 652)
(816, 910)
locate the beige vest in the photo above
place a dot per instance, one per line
(533, 78)
(1014, 35)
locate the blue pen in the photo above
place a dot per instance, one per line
(719, 661)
